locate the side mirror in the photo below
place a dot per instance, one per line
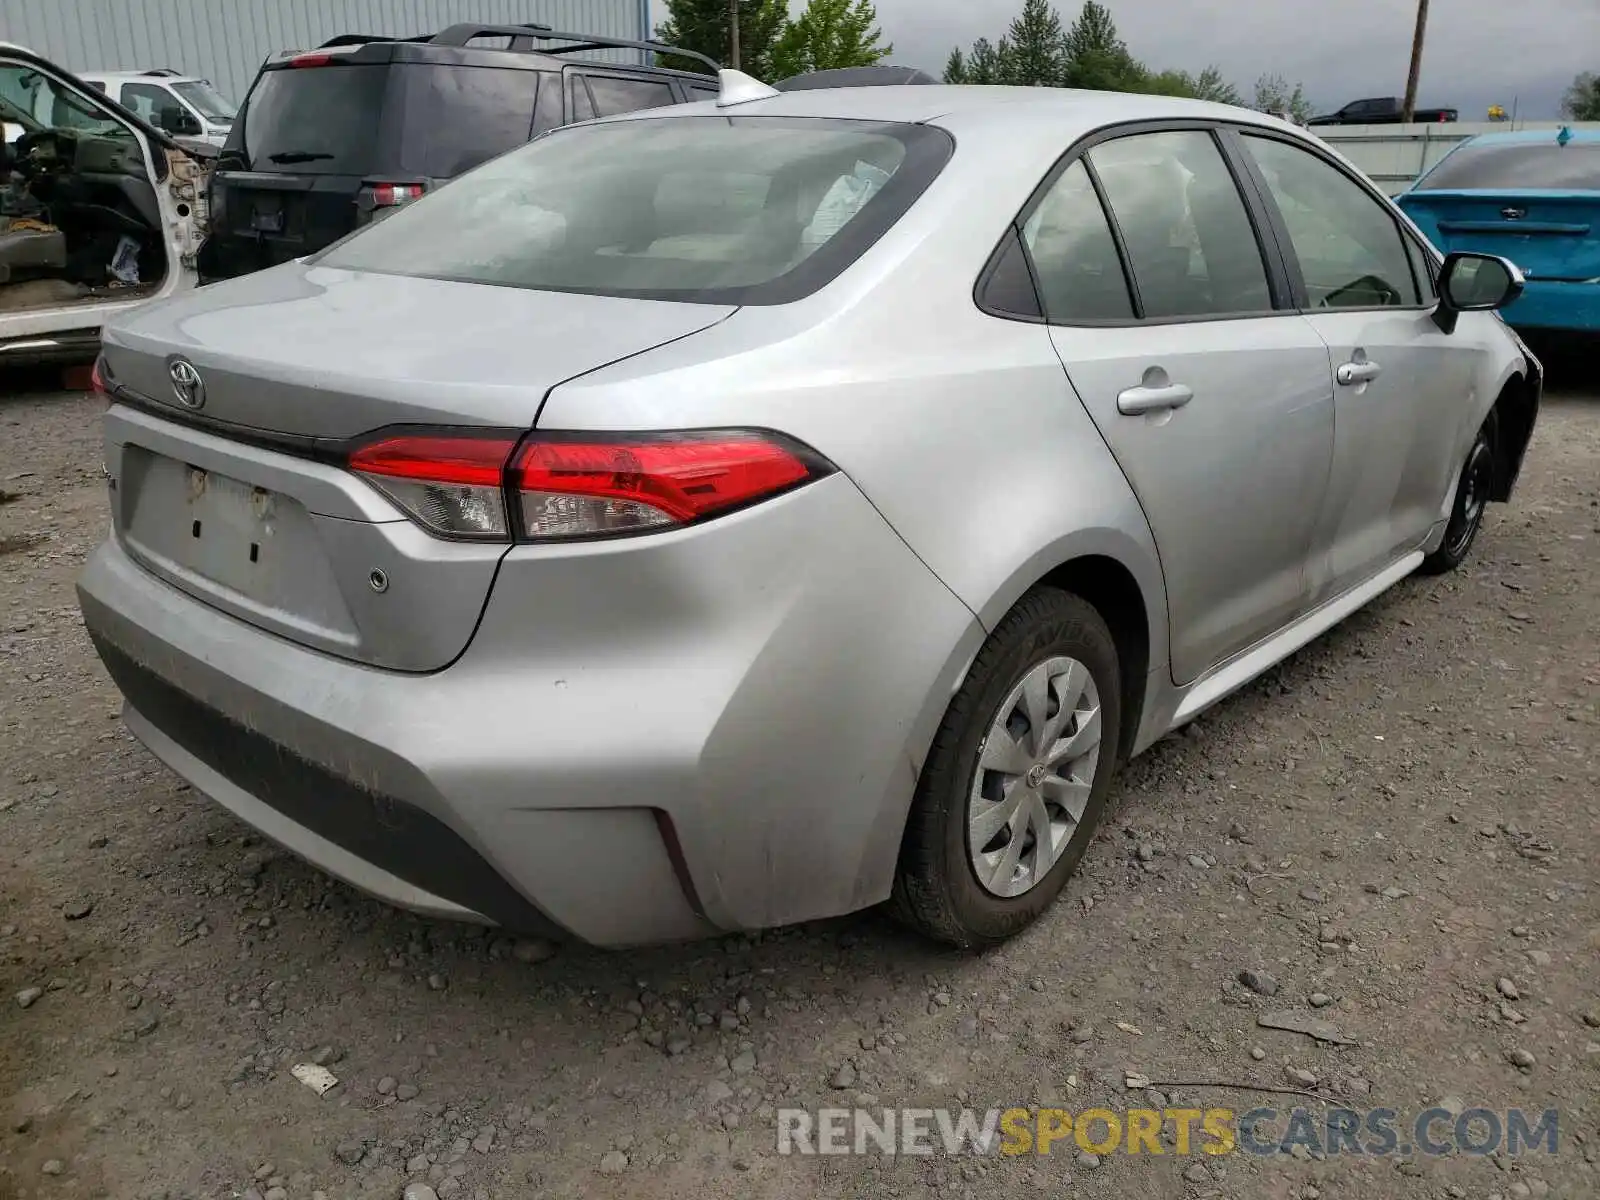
(1475, 283)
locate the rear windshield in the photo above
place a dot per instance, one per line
(731, 211)
(315, 121)
(1535, 165)
(454, 117)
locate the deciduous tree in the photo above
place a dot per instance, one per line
(1582, 101)
(1274, 95)
(706, 26)
(828, 35)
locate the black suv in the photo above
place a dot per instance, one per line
(328, 139)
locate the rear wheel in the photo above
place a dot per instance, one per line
(1472, 499)
(1016, 780)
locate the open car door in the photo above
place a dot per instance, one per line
(99, 211)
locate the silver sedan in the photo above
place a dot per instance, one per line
(754, 511)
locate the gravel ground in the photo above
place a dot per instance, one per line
(1395, 830)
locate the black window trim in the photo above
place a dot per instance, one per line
(1291, 259)
(1278, 283)
(1012, 238)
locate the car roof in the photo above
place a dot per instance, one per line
(1524, 137)
(139, 77)
(1062, 109)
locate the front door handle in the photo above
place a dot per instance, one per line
(1137, 400)
(1353, 374)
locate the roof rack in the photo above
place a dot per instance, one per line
(460, 35)
(161, 72)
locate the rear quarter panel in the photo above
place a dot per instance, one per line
(960, 428)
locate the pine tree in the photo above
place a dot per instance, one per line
(984, 64)
(1097, 58)
(955, 68)
(1037, 55)
(1208, 85)
(828, 35)
(704, 25)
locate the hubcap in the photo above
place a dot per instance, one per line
(1035, 772)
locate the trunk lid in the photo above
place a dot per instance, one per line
(320, 352)
(241, 501)
(1550, 235)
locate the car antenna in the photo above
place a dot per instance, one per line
(739, 88)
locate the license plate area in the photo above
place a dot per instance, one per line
(229, 524)
(249, 549)
(266, 218)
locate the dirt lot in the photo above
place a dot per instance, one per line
(1399, 826)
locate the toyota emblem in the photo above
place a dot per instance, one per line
(187, 385)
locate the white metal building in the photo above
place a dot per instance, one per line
(226, 40)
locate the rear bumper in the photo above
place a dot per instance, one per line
(709, 730)
(1568, 307)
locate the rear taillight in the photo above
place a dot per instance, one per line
(583, 486)
(450, 484)
(97, 380)
(566, 486)
(389, 195)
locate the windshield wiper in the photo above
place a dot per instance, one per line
(297, 156)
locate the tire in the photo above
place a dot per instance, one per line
(938, 890)
(1472, 499)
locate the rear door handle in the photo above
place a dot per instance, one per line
(1137, 400)
(1352, 374)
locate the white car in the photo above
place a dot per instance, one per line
(99, 211)
(184, 106)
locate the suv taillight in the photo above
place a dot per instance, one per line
(378, 200)
(390, 195)
(570, 486)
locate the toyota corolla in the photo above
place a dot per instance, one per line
(728, 516)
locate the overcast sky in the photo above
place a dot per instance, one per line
(1479, 52)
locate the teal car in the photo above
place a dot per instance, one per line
(1532, 197)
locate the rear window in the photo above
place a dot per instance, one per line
(315, 120)
(1517, 167)
(731, 211)
(453, 118)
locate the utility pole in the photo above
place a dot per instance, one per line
(733, 24)
(1410, 110)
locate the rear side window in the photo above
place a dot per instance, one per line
(711, 209)
(1518, 167)
(696, 92)
(315, 120)
(451, 119)
(147, 101)
(1184, 225)
(582, 106)
(1348, 242)
(1074, 254)
(614, 95)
